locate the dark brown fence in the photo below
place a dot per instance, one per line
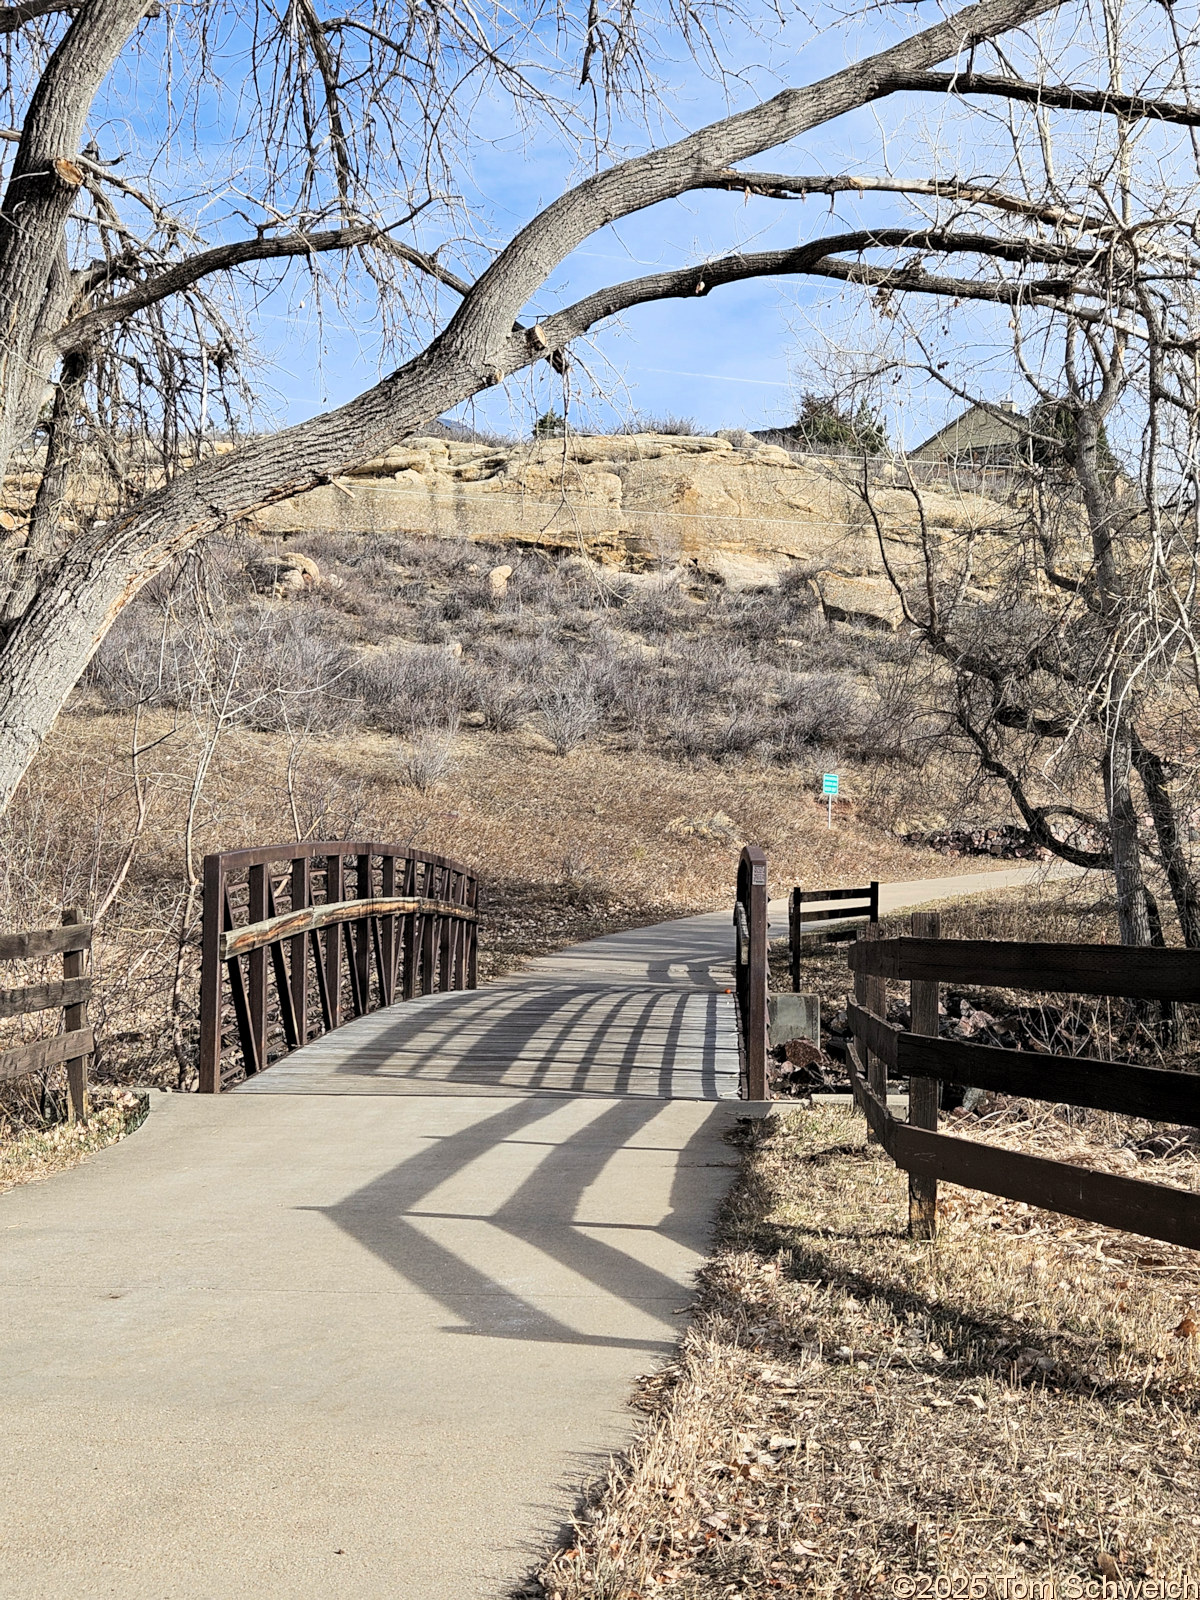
(298, 938)
(849, 910)
(925, 962)
(72, 1047)
(750, 970)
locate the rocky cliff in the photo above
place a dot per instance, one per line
(742, 513)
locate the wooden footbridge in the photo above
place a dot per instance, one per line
(350, 967)
(301, 977)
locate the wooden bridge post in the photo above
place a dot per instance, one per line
(256, 911)
(301, 899)
(387, 931)
(410, 925)
(334, 890)
(427, 922)
(752, 976)
(211, 974)
(923, 1092)
(361, 941)
(474, 901)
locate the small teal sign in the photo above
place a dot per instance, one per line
(829, 783)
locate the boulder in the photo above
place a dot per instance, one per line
(282, 572)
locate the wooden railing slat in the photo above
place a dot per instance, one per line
(240, 941)
(1063, 1080)
(44, 996)
(881, 1038)
(1095, 969)
(820, 896)
(43, 1053)
(1127, 1203)
(45, 942)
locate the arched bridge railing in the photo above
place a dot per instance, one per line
(298, 938)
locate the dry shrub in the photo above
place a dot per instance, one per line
(34, 1146)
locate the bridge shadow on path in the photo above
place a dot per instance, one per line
(557, 1036)
(526, 1223)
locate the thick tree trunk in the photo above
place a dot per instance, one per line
(1132, 915)
(35, 285)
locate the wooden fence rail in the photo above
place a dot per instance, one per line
(74, 1045)
(848, 910)
(926, 961)
(299, 937)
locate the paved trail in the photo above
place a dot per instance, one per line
(351, 1332)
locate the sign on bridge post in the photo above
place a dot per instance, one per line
(829, 788)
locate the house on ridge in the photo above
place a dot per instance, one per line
(983, 436)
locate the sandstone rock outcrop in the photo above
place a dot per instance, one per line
(741, 515)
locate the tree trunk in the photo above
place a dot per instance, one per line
(1151, 771)
(35, 284)
(1132, 916)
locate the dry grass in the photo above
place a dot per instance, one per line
(852, 1408)
(29, 1154)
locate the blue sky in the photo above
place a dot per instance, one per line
(727, 361)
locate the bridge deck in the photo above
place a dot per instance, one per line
(641, 1013)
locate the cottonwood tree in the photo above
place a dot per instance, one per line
(352, 121)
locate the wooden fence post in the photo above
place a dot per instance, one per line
(923, 1092)
(871, 993)
(73, 1020)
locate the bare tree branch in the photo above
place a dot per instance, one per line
(14, 17)
(182, 275)
(1133, 107)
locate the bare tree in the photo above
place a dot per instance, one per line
(1064, 634)
(357, 123)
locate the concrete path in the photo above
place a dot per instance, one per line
(336, 1348)
(355, 1332)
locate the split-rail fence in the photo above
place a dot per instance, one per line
(73, 1046)
(879, 1048)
